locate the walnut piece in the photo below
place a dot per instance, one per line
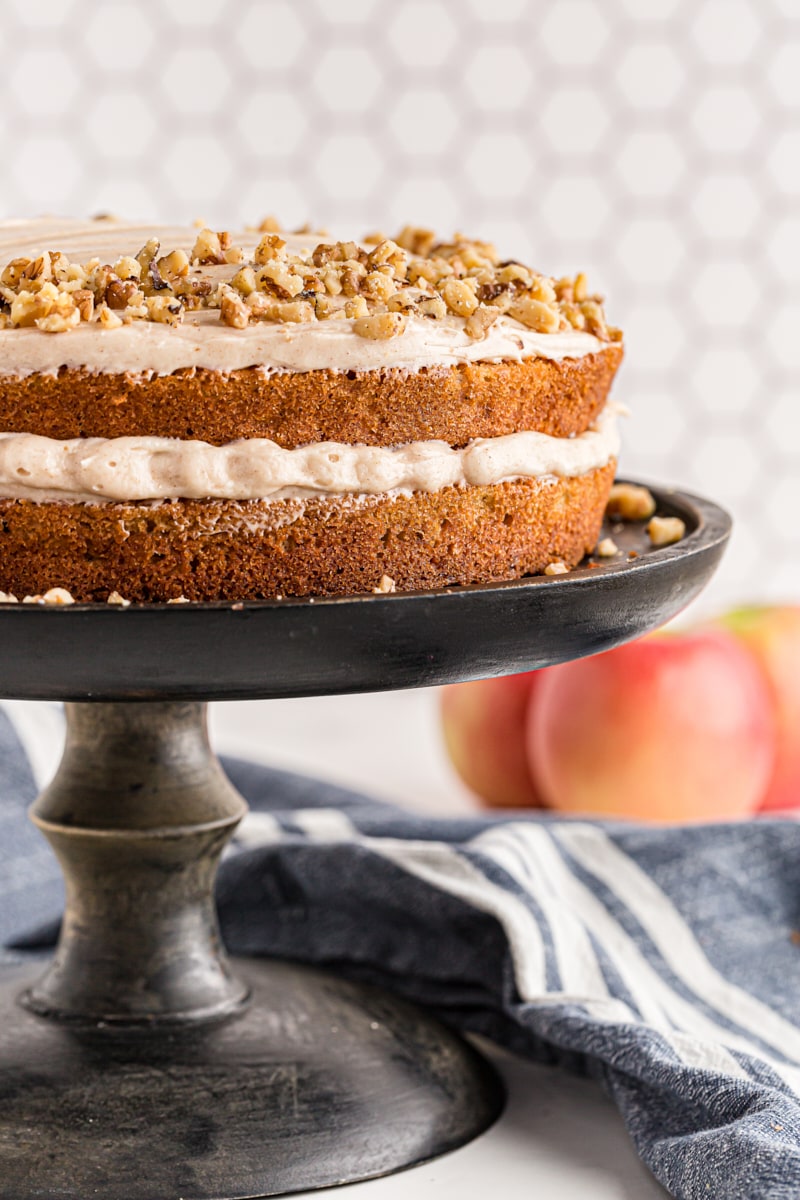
(233, 311)
(55, 596)
(556, 568)
(459, 297)
(207, 249)
(107, 318)
(663, 531)
(607, 548)
(481, 320)
(630, 502)
(385, 585)
(380, 325)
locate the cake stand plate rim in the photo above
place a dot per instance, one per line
(329, 645)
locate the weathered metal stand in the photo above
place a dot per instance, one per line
(139, 1066)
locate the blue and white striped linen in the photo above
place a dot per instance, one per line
(665, 962)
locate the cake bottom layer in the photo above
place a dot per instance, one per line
(240, 550)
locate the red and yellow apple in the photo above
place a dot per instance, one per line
(484, 727)
(772, 635)
(674, 727)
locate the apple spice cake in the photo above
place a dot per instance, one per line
(185, 413)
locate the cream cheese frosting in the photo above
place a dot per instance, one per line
(150, 468)
(203, 341)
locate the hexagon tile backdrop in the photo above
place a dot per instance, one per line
(654, 143)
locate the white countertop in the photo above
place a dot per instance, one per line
(560, 1138)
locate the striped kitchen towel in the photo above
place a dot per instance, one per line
(665, 962)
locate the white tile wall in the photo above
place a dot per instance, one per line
(654, 142)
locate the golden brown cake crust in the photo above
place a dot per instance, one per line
(388, 408)
(232, 550)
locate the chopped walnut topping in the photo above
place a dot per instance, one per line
(119, 294)
(325, 309)
(277, 278)
(128, 268)
(630, 502)
(269, 248)
(174, 266)
(543, 318)
(418, 242)
(207, 249)
(245, 281)
(148, 252)
(234, 255)
(8, 598)
(433, 306)
(356, 308)
(380, 325)
(294, 311)
(233, 311)
(164, 309)
(351, 277)
(107, 318)
(663, 531)
(379, 284)
(84, 302)
(459, 297)
(481, 320)
(115, 598)
(556, 568)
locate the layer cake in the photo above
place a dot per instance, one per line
(215, 416)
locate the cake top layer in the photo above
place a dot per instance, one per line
(135, 299)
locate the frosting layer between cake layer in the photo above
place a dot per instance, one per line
(150, 468)
(202, 340)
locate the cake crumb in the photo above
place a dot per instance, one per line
(607, 548)
(556, 568)
(385, 584)
(115, 598)
(663, 531)
(630, 502)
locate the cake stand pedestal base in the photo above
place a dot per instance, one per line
(140, 1065)
(318, 1082)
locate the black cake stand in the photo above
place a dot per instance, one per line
(141, 1064)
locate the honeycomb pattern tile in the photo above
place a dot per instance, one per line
(655, 144)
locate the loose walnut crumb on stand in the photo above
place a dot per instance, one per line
(385, 585)
(55, 596)
(556, 568)
(630, 502)
(664, 531)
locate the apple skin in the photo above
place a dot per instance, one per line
(484, 726)
(772, 635)
(674, 727)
